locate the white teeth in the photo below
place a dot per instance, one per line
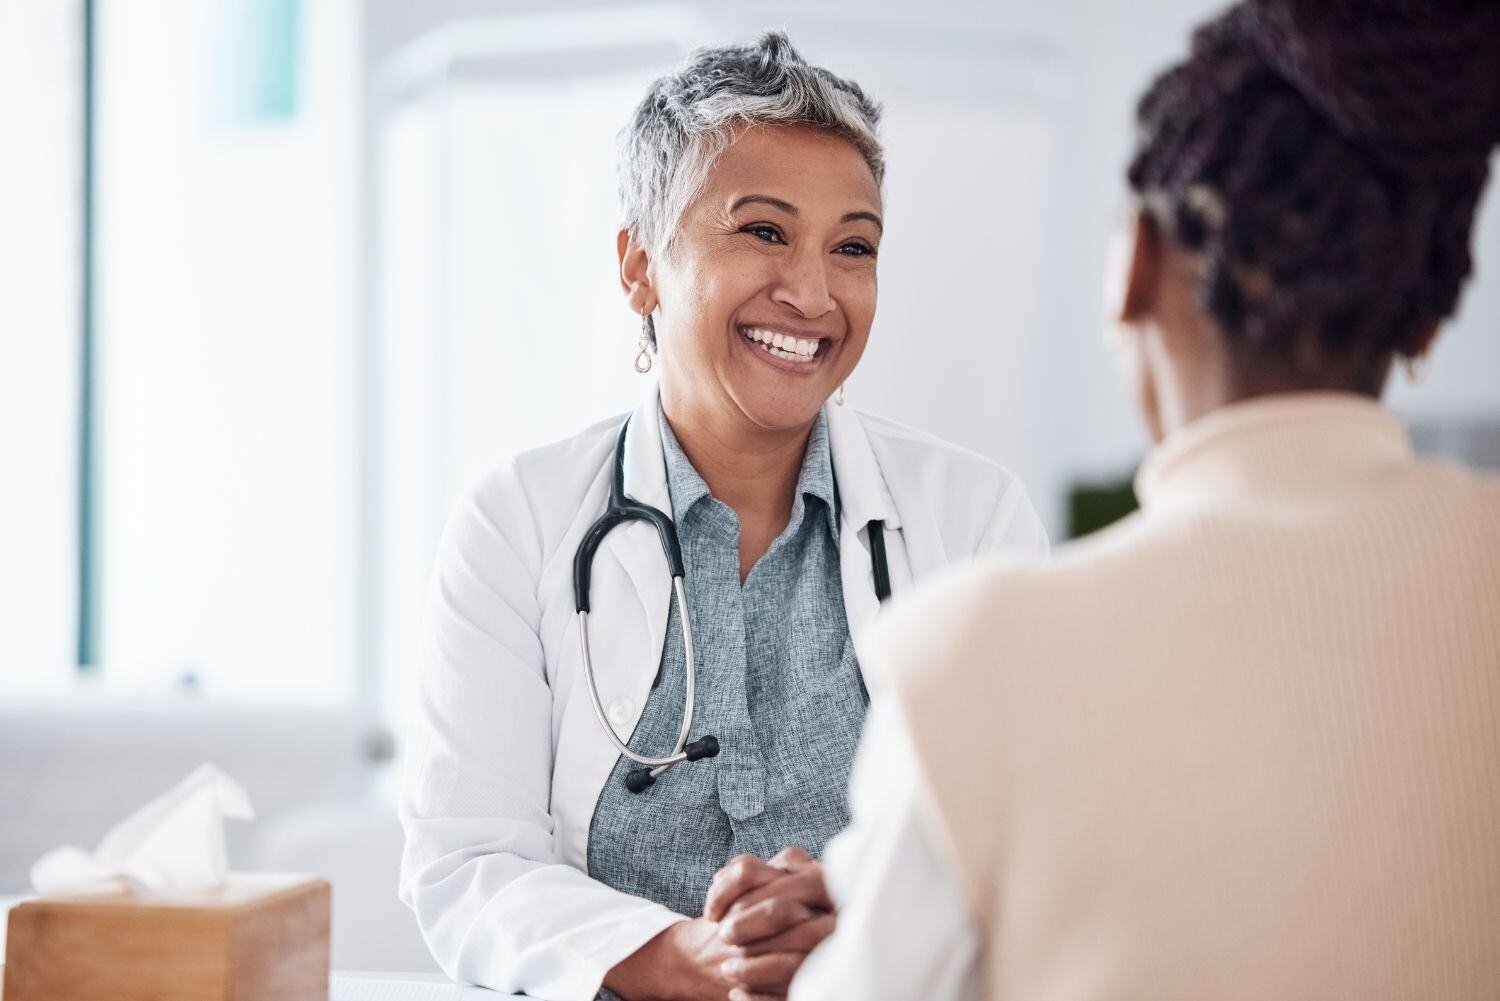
(783, 345)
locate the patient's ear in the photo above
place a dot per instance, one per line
(1141, 271)
(635, 272)
(1420, 342)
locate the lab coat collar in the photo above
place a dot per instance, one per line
(863, 493)
(645, 461)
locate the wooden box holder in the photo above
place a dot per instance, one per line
(262, 936)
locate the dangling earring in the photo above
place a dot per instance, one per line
(838, 395)
(647, 342)
(1416, 368)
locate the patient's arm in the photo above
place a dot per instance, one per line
(903, 927)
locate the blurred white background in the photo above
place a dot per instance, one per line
(278, 278)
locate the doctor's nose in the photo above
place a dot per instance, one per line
(803, 286)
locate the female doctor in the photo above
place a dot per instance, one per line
(539, 857)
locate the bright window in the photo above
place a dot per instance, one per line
(227, 360)
(41, 129)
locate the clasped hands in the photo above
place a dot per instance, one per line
(760, 920)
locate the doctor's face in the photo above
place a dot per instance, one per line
(766, 296)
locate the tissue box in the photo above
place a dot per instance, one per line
(260, 936)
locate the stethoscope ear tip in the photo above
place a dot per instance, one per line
(638, 780)
(706, 746)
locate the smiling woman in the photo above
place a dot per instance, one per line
(537, 859)
(780, 248)
(765, 295)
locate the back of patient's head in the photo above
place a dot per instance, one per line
(1321, 163)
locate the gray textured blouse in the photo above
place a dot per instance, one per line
(778, 684)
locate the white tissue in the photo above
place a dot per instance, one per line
(173, 844)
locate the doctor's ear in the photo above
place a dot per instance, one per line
(635, 276)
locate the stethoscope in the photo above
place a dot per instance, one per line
(622, 509)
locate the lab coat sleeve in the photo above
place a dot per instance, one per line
(904, 929)
(480, 867)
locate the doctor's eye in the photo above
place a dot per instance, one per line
(855, 248)
(764, 232)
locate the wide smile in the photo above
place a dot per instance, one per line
(789, 351)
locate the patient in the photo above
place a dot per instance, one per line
(1245, 744)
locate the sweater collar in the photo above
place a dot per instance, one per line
(1285, 446)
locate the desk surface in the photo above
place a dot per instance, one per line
(404, 987)
(385, 987)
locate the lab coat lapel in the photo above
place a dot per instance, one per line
(864, 496)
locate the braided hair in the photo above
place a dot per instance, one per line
(1322, 161)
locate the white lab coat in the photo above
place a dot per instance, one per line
(506, 759)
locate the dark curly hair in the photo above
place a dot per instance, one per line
(1322, 160)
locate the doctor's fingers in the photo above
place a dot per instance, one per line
(792, 858)
(769, 974)
(740, 994)
(769, 917)
(804, 885)
(743, 874)
(759, 932)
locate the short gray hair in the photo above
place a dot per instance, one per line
(689, 117)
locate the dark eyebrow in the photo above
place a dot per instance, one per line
(871, 216)
(775, 203)
(791, 209)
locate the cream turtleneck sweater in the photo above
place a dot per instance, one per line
(1244, 745)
